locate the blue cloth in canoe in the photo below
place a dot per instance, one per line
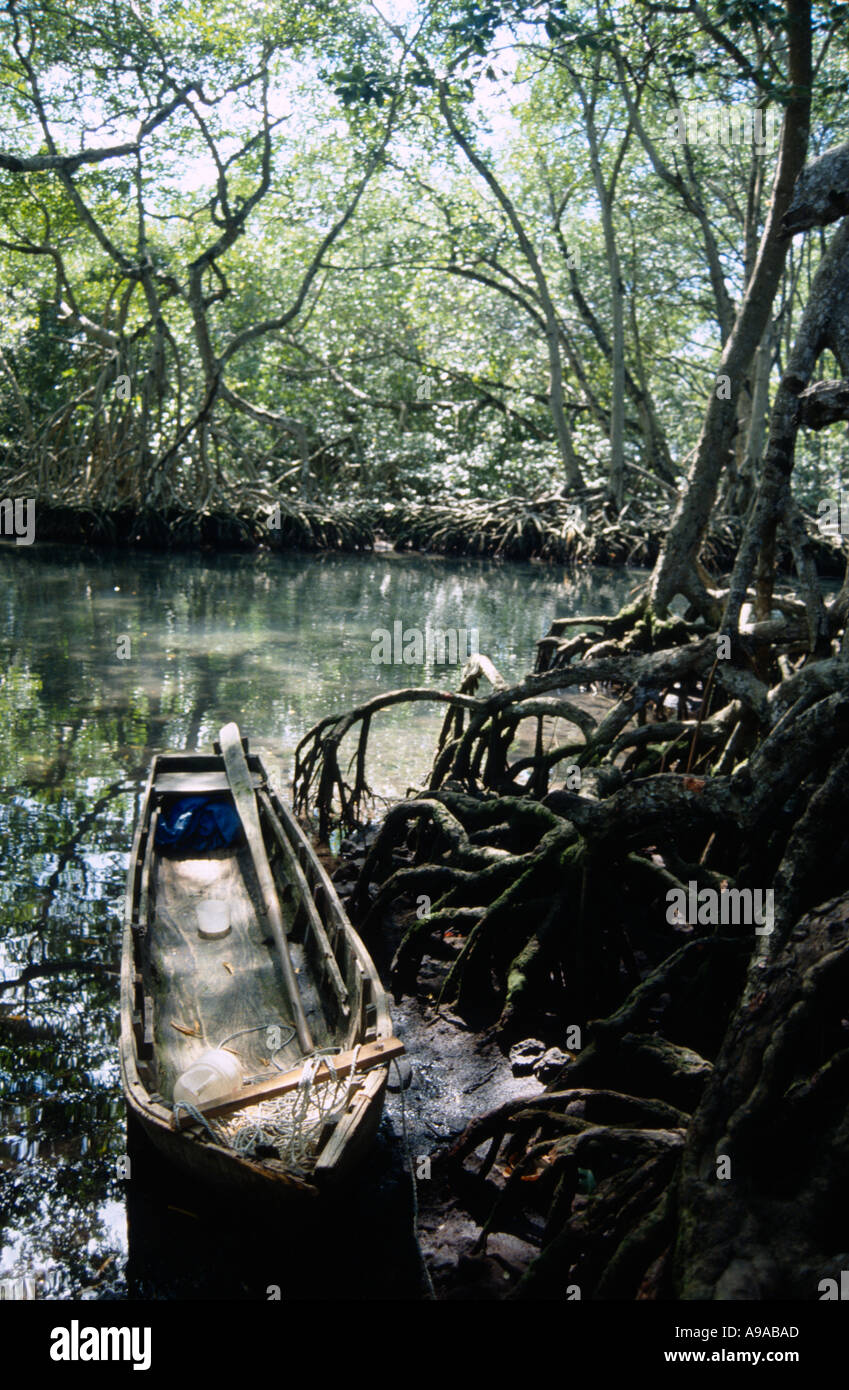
(199, 823)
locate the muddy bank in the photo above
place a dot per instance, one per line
(457, 1073)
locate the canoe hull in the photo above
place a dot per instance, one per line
(332, 955)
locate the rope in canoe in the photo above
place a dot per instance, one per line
(264, 1028)
(291, 1125)
(288, 1126)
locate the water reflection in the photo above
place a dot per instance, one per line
(106, 659)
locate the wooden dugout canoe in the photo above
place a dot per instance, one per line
(182, 994)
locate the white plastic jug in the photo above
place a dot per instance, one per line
(214, 1075)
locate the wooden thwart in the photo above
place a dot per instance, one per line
(195, 783)
(373, 1054)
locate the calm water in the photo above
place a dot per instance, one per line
(105, 660)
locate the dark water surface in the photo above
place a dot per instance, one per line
(276, 643)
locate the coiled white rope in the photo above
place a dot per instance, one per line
(291, 1125)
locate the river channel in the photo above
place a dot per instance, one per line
(107, 658)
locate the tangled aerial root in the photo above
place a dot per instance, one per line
(240, 523)
(548, 911)
(552, 529)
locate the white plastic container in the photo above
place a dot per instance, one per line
(213, 918)
(214, 1075)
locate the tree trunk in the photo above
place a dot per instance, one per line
(759, 1211)
(824, 324)
(605, 194)
(676, 571)
(552, 332)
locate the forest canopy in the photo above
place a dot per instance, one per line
(455, 250)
